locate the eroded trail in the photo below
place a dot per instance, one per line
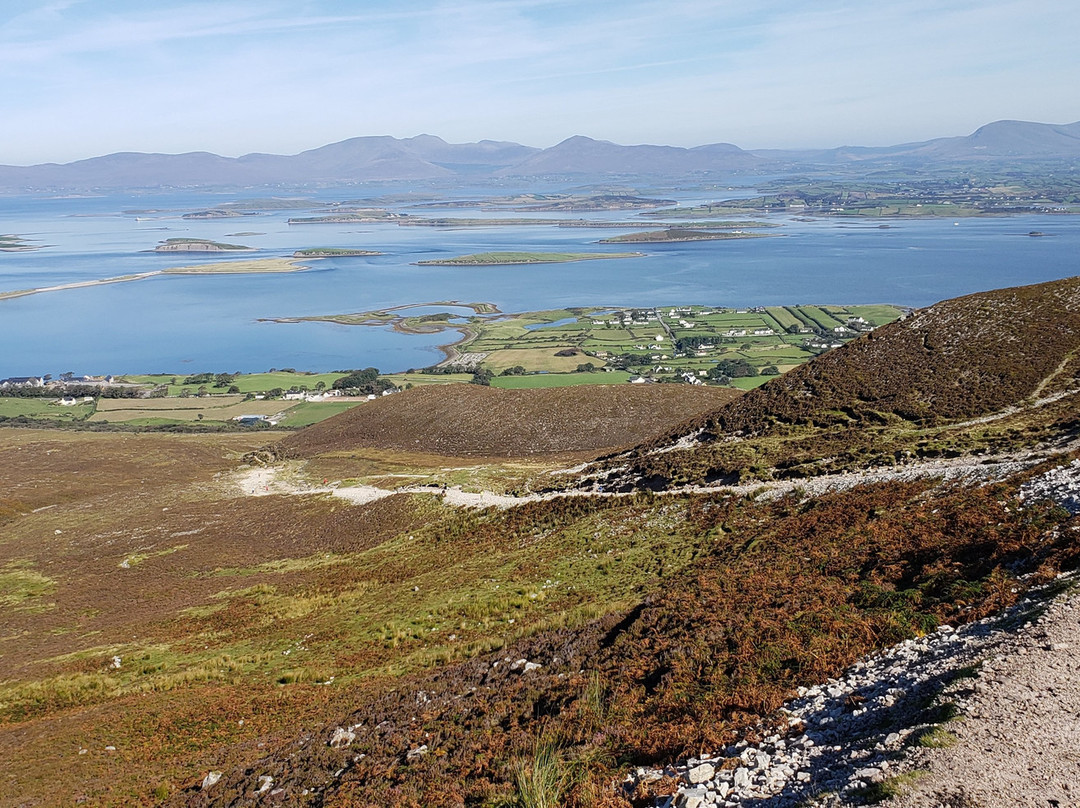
(284, 479)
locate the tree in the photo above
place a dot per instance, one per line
(482, 376)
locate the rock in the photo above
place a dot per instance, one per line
(210, 779)
(418, 752)
(701, 774)
(742, 778)
(265, 781)
(694, 798)
(341, 737)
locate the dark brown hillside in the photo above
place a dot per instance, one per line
(468, 419)
(959, 359)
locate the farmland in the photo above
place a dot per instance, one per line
(737, 348)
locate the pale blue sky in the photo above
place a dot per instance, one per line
(88, 77)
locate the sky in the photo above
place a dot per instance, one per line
(90, 77)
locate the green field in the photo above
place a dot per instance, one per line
(44, 408)
(311, 412)
(559, 380)
(248, 383)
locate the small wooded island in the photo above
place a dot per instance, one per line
(332, 252)
(674, 234)
(198, 245)
(513, 258)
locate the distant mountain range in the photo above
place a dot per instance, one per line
(427, 157)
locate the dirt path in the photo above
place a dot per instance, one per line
(283, 479)
(1018, 740)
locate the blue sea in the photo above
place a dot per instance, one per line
(181, 324)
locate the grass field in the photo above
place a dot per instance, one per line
(248, 383)
(13, 407)
(210, 408)
(540, 359)
(311, 412)
(558, 380)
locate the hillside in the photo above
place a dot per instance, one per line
(468, 419)
(965, 358)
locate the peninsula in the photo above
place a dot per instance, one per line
(253, 267)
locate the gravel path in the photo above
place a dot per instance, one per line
(984, 716)
(1019, 741)
(990, 709)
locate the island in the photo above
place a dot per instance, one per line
(676, 234)
(332, 252)
(16, 244)
(217, 213)
(563, 202)
(198, 245)
(513, 258)
(362, 215)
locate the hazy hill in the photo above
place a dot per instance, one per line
(427, 157)
(583, 155)
(355, 160)
(1014, 140)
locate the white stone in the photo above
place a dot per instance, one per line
(210, 779)
(341, 737)
(701, 774)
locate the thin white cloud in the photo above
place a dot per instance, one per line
(237, 76)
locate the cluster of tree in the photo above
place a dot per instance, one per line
(587, 367)
(629, 360)
(364, 382)
(74, 390)
(516, 370)
(444, 370)
(216, 379)
(727, 369)
(690, 344)
(482, 376)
